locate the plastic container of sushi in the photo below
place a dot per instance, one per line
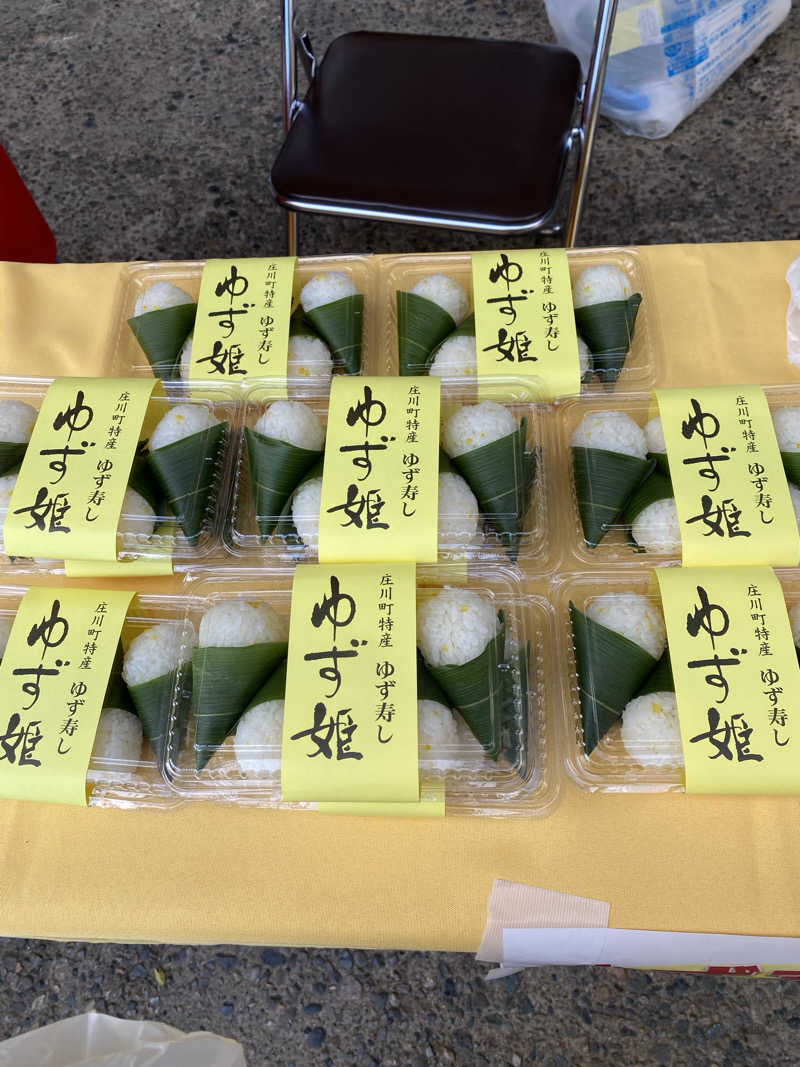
(621, 732)
(491, 502)
(494, 751)
(125, 766)
(429, 325)
(179, 482)
(622, 504)
(332, 326)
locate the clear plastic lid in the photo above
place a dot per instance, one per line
(491, 502)
(243, 765)
(621, 342)
(178, 486)
(634, 761)
(611, 453)
(124, 770)
(313, 350)
(621, 729)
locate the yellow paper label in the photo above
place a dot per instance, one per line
(53, 678)
(380, 485)
(731, 492)
(525, 324)
(68, 497)
(350, 719)
(141, 567)
(737, 680)
(431, 804)
(241, 332)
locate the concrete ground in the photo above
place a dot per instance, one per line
(147, 131)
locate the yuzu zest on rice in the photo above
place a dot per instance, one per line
(179, 422)
(325, 288)
(293, 422)
(160, 296)
(600, 284)
(155, 652)
(650, 730)
(454, 626)
(475, 425)
(456, 358)
(611, 431)
(239, 623)
(633, 616)
(656, 528)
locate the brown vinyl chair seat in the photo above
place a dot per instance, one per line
(436, 126)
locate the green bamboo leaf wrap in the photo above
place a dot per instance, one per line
(610, 670)
(498, 475)
(144, 481)
(530, 462)
(427, 686)
(604, 482)
(464, 329)
(298, 326)
(608, 329)
(339, 324)
(188, 473)
(276, 469)
(587, 374)
(421, 326)
(273, 689)
(11, 455)
(655, 487)
(791, 465)
(475, 689)
(162, 334)
(285, 527)
(153, 701)
(445, 463)
(660, 679)
(225, 680)
(117, 695)
(662, 463)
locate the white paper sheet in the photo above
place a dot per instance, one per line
(644, 948)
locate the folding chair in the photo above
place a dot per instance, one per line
(439, 131)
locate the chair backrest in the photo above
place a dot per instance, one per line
(578, 142)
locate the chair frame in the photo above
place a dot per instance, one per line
(580, 139)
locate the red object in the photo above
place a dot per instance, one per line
(749, 969)
(25, 236)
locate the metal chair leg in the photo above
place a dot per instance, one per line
(591, 109)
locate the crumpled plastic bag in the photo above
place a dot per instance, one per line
(103, 1041)
(667, 56)
(793, 313)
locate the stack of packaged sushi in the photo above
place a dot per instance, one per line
(228, 482)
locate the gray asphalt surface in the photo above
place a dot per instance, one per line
(147, 131)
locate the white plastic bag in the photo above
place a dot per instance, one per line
(105, 1041)
(667, 56)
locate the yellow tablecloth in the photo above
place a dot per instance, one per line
(212, 873)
